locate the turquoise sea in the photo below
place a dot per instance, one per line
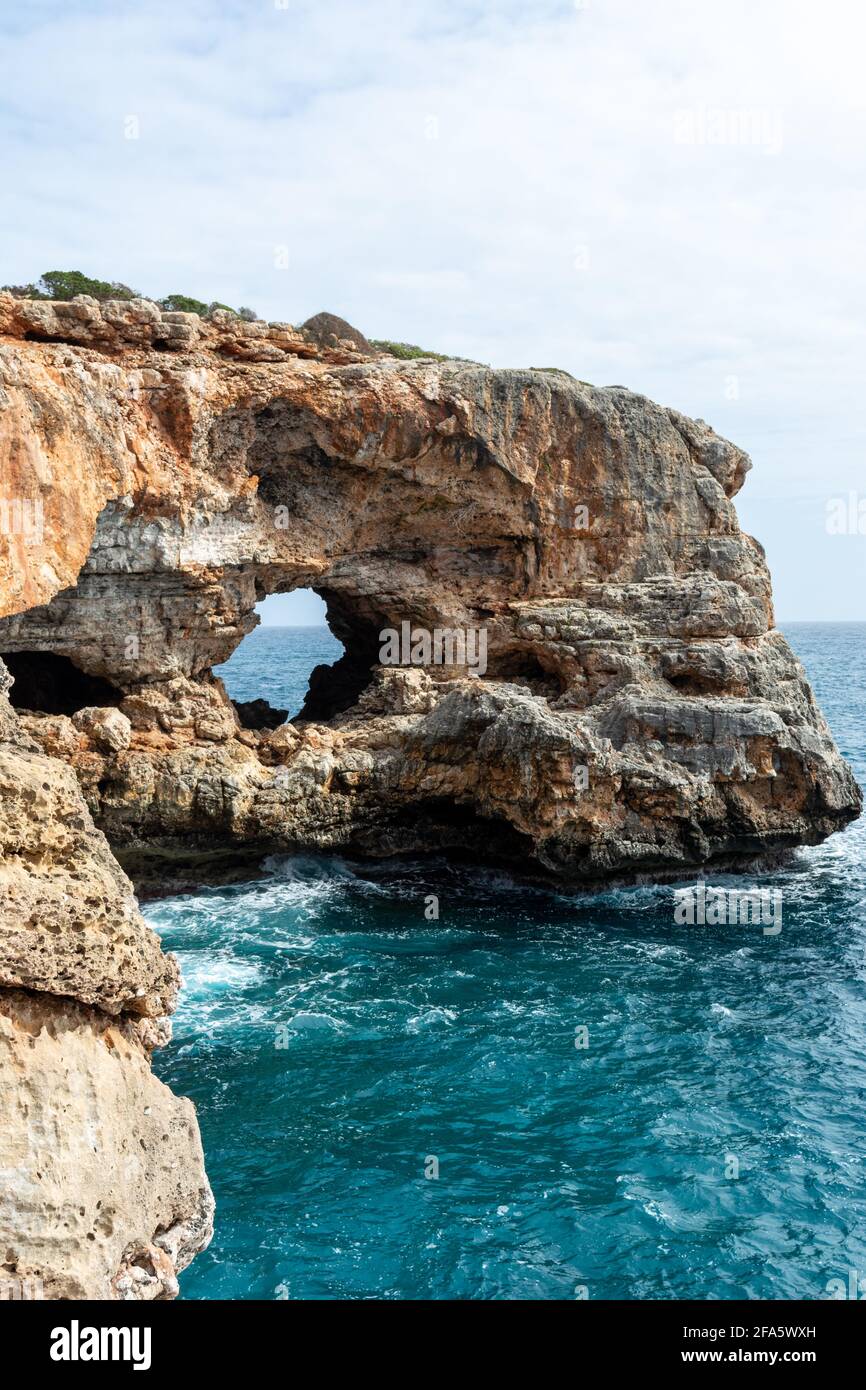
(340, 1048)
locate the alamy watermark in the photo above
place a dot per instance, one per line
(443, 646)
(26, 1290)
(77, 1343)
(852, 1288)
(846, 516)
(22, 516)
(758, 126)
(704, 906)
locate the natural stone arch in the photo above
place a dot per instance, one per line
(590, 532)
(431, 491)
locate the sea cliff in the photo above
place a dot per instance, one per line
(638, 716)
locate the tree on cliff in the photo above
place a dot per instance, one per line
(184, 304)
(66, 284)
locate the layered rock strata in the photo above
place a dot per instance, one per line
(636, 713)
(103, 1191)
(639, 714)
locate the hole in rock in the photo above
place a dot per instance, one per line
(52, 684)
(520, 664)
(268, 675)
(31, 336)
(691, 684)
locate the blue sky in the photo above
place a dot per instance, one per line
(658, 193)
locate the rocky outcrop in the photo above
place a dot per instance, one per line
(588, 683)
(328, 330)
(70, 923)
(637, 715)
(103, 1192)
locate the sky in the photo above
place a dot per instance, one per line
(663, 194)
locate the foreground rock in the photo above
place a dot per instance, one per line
(104, 1193)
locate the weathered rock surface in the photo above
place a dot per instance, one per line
(328, 330)
(639, 713)
(70, 923)
(103, 1192)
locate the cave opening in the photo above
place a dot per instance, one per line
(48, 683)
(523, 665)
(308, 659)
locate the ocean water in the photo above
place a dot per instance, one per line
(275, 663)
(339, 1047)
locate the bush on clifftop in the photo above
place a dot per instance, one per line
(66, 284)
(407, 352)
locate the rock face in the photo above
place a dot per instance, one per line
(638, 714)
(588, 684)
(327, 330)
(103, 1191)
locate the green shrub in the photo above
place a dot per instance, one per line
(66, 284)
(22, 291)
(182, 304)
(409, 351)
(405, 351)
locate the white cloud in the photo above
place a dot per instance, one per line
(504, 181)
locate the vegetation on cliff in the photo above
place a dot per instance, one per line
(66, 284)
(407, 352)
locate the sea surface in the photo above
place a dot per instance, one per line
(342, 1051)
(274, 663)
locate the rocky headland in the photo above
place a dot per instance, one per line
(637, 716)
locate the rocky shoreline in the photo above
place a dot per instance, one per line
(639, 716)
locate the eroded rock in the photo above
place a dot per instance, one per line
(637, 714)
(108, 730)
(104, 1194)
(69, 924)
(587, 532)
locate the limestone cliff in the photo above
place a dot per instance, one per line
(104, 1193)
(638, 714)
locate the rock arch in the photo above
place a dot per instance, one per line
(589, 532)
(639, 714)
